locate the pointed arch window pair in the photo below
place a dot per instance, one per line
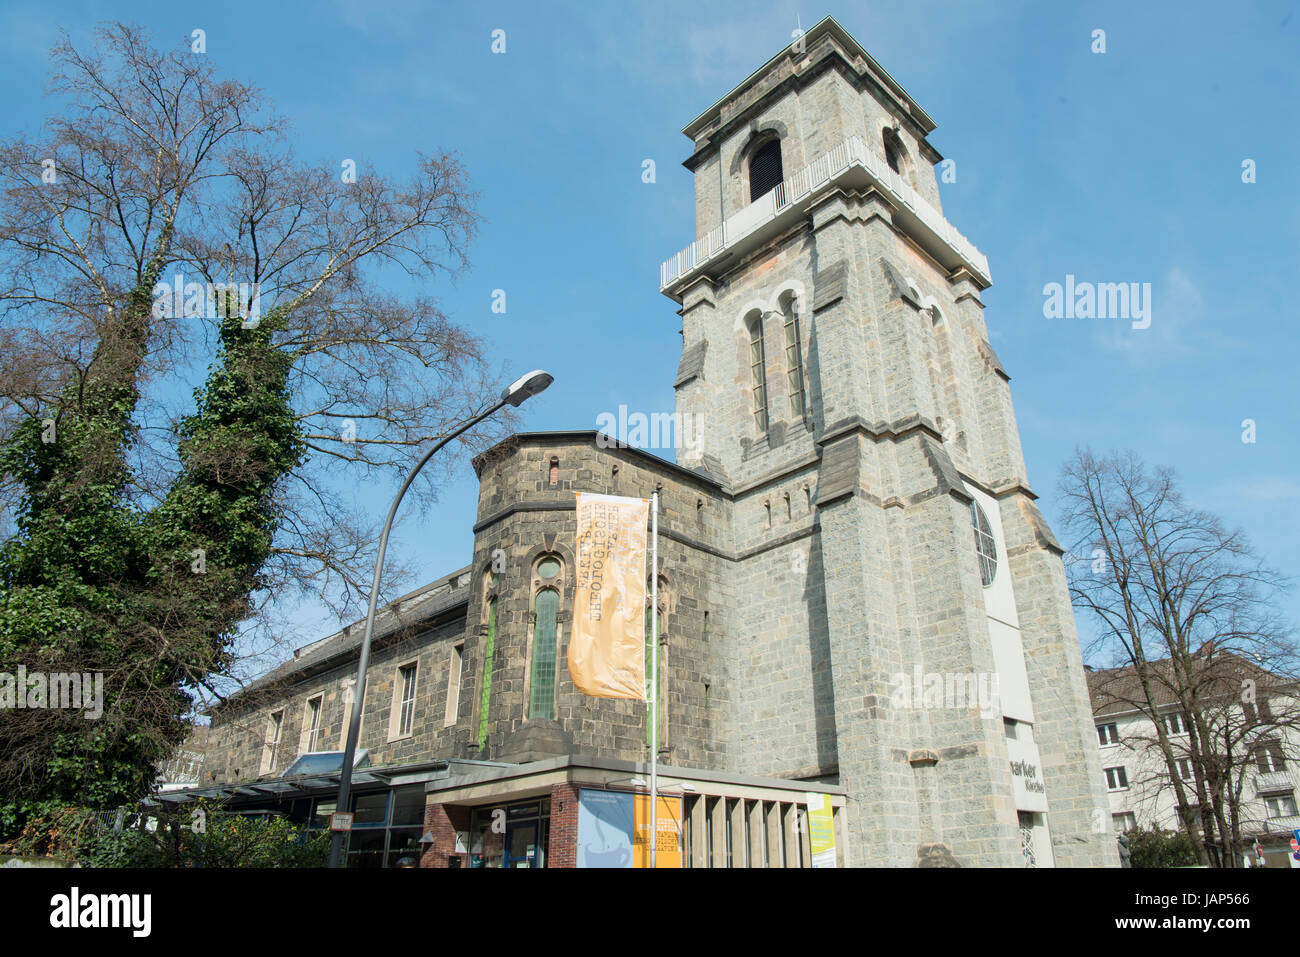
(793, 365)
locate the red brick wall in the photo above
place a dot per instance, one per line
(562, 848)
(442, 821)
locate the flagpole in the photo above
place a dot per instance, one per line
(654, 676)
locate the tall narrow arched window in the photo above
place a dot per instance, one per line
(765, 173)
(553, 473)
(891, 154)
(541, 698)
(985, 544)
(757, 373)
(489, 648)
(793, 359)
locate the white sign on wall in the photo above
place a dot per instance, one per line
(1026, 771)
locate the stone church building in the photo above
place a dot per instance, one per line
(861, 603)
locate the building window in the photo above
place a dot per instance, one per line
(757, 374)
(1108, 734)
(1281, 806)
(1124, 821)
(891, 154)
(985, 545)
(1027, 849)
(895, 152)
(794, 359)
(553, 473)
(404, 702)
(765, 172)
(1184, 766)
(548, 568)
(1254, 716)
(489, 646)
(313, 723)
(1116, 779)
(275, 724)
(541, 700)
(1269, 757)
(1175, 723)
(454, 665)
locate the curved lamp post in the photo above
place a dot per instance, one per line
(521, 389)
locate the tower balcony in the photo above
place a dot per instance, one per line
(850, 164)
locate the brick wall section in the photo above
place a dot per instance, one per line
(442, 821)
(562, 847)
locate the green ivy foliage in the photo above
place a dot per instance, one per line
(152, 598)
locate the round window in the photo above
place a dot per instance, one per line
(985, 545)
(548, 568)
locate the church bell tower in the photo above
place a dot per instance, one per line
(899, 622)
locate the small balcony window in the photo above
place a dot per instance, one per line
(765, 172)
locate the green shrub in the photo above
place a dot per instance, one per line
(1159, 848)
(198, 835)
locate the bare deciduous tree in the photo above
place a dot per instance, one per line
(1185, 613)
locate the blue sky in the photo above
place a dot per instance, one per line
(1115, 167)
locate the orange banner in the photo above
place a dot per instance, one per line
(607, 650)
(668, 851)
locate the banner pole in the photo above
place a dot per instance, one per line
(654, 677)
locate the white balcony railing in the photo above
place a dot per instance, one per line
(1273, 782)
(1289, 823)
(821, 172)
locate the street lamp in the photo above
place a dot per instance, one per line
(521, 389)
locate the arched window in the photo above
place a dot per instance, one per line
(553, 474)
(793, 358)
(489, 647)
(757, 373)
(765, 173)
(985, 545)
(541, 698)
(896, 154)
(891, 154)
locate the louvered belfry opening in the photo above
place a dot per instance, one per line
(765, 172)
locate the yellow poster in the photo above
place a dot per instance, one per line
(821, 830)
(668, 852)
(607, 650)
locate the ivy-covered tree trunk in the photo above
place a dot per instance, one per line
(212, 536)
(69, 583)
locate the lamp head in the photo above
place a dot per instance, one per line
(526, 386)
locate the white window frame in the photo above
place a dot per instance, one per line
(398, 713)
(275, 728)
(1122, 776)
(1114, 734)
(1276, 803)
(311, 718)
(455, 667)
(1123, 821)
(1174, 718)
(1185, 769)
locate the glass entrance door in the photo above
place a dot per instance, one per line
(522, 846)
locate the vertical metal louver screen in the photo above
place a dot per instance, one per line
(765, 172)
